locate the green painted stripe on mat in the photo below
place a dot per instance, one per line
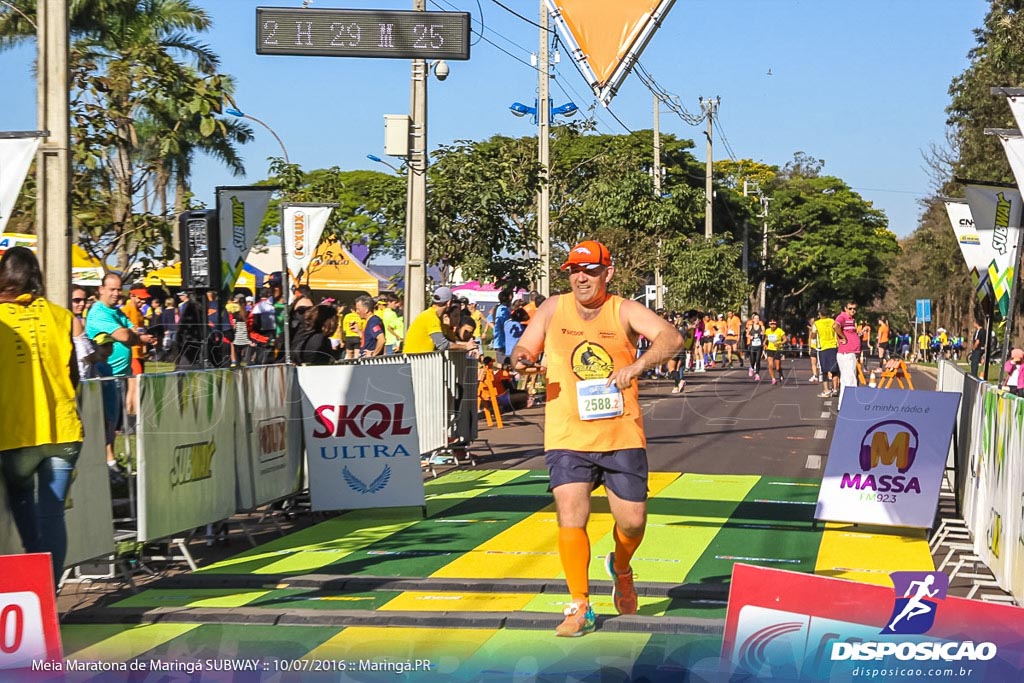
(422, 548)
(767, 534)
(193, 597)
(462, 484)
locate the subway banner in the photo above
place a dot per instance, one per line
(887, 457)
(792, 626)
(997, 210)
(186, 446)
(269, 463)
(240, 212)
(362, 447)
(87, 510)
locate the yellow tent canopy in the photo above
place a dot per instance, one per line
(170, 276)
(334, 269)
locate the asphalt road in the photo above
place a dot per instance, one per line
(722, 423)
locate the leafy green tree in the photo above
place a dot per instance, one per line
(704, 274)
(826, 243)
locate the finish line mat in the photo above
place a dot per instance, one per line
(476, 586)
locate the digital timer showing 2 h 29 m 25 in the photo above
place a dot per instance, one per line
(395, 34)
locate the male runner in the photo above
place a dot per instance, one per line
(594, 431)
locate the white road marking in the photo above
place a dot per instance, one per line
(827, 414)
(820, 433)
(813, 462)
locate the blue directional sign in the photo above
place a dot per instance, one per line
(924, 310)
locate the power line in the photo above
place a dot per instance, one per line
(721, 134)
(528, 21)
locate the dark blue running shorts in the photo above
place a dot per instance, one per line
(624, 472)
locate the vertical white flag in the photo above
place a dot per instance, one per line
(15, 157)
(997, 211)
(241, 211)
(967, 237)
(1017, 107)
(303, 226)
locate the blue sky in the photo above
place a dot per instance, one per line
(862, 85)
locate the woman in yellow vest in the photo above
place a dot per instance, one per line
(40, 431)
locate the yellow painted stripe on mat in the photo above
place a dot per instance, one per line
(192, 597)
(131, 642)
(447, 648)
(420, 601)
(674, 542)
(554, 603)
(869, 557)
(526, 550)
(733, 487)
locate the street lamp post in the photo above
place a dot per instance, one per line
(543, 114)
(234, 111)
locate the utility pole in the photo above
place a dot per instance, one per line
(710, 107)
(53, 166)
(416, 200)
(746, 254)
(762, 289)
(543, 157)
(659, 298)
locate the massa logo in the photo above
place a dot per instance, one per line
(591, 361)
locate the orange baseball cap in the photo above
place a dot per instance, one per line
(588, 253)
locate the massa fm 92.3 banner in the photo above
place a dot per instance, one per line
(887, 456)
(362, 447)
(186, 443)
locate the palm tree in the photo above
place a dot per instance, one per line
(136, 67)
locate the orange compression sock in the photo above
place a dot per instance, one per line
(625, 547)
(574, 551)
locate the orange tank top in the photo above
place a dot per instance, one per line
(574, 350)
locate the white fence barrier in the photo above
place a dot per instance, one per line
(990, 462)
(269, 460)
(88, 513)
(186, 449)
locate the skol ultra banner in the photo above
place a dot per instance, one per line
(887, 456)
(362, 446)
(606, 37)
(970, 246)
(16, 155)
(303, 226)
(997, 211)
(240, 214)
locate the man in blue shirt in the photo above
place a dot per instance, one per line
(373, 333)
(105, 316)
(501, 314)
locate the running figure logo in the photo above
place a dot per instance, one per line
(914, 612)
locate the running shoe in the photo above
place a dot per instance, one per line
(750, 372)
(679, 387)
(578, 622)
(813, 379)
(757, 378)
(623, 590)
(825, 394)
(774, 381)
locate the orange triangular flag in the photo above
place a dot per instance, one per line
(604, 33)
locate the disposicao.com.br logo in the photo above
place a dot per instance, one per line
(918, 596)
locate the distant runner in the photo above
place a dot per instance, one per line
(594, 431)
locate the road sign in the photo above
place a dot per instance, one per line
(397, 34)
(924, 310)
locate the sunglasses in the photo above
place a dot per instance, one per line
(587, 269)
(78, 300)
(851, 308)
